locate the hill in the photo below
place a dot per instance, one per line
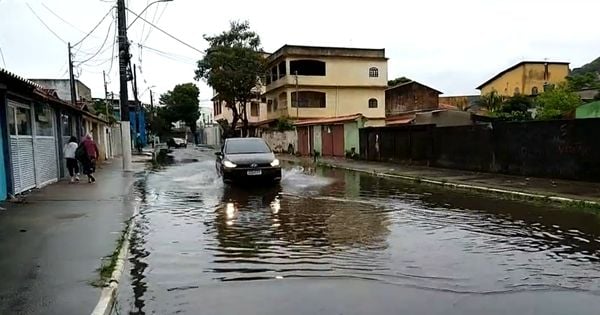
(592, 67)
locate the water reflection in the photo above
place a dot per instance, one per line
(328, 224)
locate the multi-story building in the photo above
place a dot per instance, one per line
(527, 78)
(256, 110)
(330, 92)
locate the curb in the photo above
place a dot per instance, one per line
(108, 295)
(499, 191)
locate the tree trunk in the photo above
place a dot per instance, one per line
(244, 120)
(236, 117)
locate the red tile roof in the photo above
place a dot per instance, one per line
(330, 120)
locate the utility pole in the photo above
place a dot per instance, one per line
(152, 115)
(136, 122)
(71, 77)
(105, 95)
(297, 96)
(124, 96)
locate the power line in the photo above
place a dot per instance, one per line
(101, 46)
(93, 29)
(168, 53)
(112, 53)
(164, 32)
(2, 55)
(46, 25)
(155, 21)
(60, 18)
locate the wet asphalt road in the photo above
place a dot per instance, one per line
(336, 242)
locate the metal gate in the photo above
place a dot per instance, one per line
(303, 144)
(332, 140)
(21, 146)
(45, 144)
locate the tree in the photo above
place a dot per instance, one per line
(559, 102)
(491, 101)
(399, 80)
(182, 104)
(232, 65)
(589, 80)
(159, 121)
(100, 109)
(515, 108)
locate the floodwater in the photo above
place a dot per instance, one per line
(337, 242)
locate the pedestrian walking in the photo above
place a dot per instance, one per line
(72, 164)
(87, 155)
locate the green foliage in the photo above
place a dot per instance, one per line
(100, 109)
(559, 102)
(225, 127)
(515, 108)
(589, 80)
(159, 121)
(232, 65)
(399, 80)
(592, 67)
(491, 101)
(284, 124)
(182, 104)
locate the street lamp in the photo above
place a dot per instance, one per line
(146, 8)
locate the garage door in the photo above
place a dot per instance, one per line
(332, 140)
(303, 145)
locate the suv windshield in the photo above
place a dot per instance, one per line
(246, 146)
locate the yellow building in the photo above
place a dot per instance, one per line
(526, 77)
(331, 82)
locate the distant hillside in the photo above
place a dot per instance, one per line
(593, 66)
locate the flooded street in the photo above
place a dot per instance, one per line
(336, 242)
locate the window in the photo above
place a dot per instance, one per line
(269, 106)
(275, 104)
(372, 103)
(43, 120)
(217, 109)
(263, 99)
(282, 103)
(373, 72)
(517, 91)
(11, 121)
(307, 67)
(534, 90)
(254, 110)
(274, 74)
(21, 122)
(281, 67)
(268, 78)
(65, 124)
(309, 99)
(246, 146)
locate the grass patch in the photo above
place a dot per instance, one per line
(109, 262)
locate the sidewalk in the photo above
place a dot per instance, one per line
(52, 244)
(511, 186)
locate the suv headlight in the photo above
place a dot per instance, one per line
(275, 163)
(229, 164)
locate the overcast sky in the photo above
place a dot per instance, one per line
(452, 46)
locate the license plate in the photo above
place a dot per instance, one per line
(254, 173)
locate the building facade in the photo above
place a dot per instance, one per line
(329, 82)
(35, 124)
(526, 78)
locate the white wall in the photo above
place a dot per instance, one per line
(279, 141)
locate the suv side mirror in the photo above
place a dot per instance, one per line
(219, 154)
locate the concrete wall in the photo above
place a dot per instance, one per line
(317, 138)
(351, 136)
(525, 77)
(445, 118)
(63, 88)
(339, 102)
(280, 141)
(339, 71)
(556, 149)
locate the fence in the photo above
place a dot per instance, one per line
(558, 149)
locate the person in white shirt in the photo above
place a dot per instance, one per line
(72, 164)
